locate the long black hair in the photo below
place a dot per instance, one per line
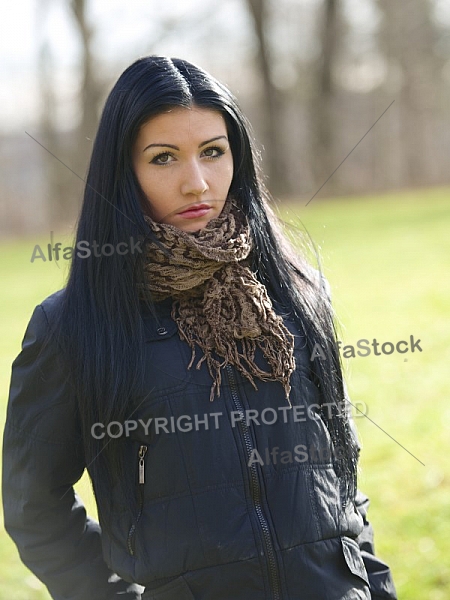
(100, 323)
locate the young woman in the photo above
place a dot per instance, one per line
(191, 366)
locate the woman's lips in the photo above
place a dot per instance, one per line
(194, 213)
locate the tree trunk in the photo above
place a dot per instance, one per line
(407, 40)
(91, 90)
(271, 106)
(321, 108)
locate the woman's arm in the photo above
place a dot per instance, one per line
(380, 578)
(42, 460)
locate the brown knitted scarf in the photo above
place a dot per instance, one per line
(218, 302)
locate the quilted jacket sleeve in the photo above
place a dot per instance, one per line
(42, 460)
(380, 578)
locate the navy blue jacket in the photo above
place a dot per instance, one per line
(236, 499)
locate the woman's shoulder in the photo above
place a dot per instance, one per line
(43, 318)
(41, 401)
(51, 304)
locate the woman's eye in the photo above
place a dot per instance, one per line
(213, 152)
(165, 158)
(162, 159)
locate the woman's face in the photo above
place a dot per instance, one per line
(182, 159)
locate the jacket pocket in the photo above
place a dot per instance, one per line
(143, 449)
(353, 558)
(177, 589)
(167, 359)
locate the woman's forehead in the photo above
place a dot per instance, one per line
(185, 122)
(182, 125)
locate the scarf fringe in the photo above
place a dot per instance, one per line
(219, 304)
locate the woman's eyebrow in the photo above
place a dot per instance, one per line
(161, 145)
(218, 137)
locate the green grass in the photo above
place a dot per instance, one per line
(388, 261)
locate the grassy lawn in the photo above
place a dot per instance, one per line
(388, 261)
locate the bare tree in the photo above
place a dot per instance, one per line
(72, 147)
(323, 95)
(58, 179)
(91, 89)
(408, 39)
(271, 106)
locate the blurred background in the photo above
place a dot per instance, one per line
(349, 100)
(313, 76)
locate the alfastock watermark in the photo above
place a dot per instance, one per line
(84, 249)
(299, 454)
(365, 348)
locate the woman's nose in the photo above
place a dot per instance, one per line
(194, 181)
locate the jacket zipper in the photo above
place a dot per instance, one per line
(131, 534)
(256, 492)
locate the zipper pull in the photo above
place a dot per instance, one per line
(142, 453)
